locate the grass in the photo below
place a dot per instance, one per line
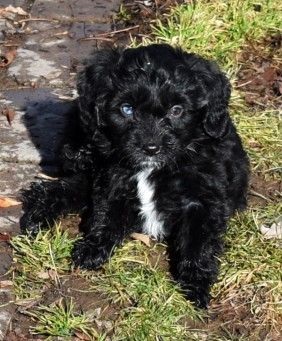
(45, 257)
(147, 298)
(250, 279)
(261, 134)
(247, 298)
(218, 29)
(60, 319)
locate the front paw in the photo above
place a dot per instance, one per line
(88, 255)
(28, 225)
(200, 297)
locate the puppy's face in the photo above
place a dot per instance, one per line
(151, 120)
(154, 103)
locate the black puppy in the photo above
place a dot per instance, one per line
(158, 154)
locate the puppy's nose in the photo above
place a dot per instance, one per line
(151, 149)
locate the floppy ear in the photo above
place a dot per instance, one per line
(214, 94)
(94, 84)
(216, 118)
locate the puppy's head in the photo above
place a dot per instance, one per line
(150, 104)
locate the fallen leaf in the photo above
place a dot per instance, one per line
(8, 202)
(9, 113)
(47, 274)
(53, 274)
(16, 10)
(142, 237)
(254, 144)
(82, 336)
(4, 237)
(43, 275)
(5, 284)
(269, 75)
(7, 59)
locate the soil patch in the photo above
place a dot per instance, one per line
(260, 77)
(264, 191)
(71, 287)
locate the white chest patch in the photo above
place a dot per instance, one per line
(153, 225)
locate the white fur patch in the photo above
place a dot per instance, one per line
(153, 226)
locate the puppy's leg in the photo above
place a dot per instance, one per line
(103, 231)
(194, 248)
(45, 201)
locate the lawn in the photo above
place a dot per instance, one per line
(133, 297)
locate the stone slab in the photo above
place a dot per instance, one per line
(6, 311)
(15, 3)
(37, 127)
(51, 46)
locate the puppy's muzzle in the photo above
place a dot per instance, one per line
(151, 149)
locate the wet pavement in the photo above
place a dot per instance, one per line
(38, 86)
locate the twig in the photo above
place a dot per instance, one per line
(117, 31)
(37, 19)
(256, 194)
(95, 38)
(244, 84)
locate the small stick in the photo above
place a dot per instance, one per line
(256, 194)
(95, 38)
(117, 31)
(37, 19)
(244, 84)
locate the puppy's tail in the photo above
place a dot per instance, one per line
(46, 201)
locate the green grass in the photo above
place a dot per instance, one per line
(48, 253)
(123, 14)
(147, 298)
(218, 29)
(60, 319)
(249, 257)
(250, 279)
(261, 134)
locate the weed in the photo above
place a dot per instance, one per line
(123, 14)
(47, 254)
(60, 319)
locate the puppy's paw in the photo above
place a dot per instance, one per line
(28, 225)
(88, 255)
(199, 297)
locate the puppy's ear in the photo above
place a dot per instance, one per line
(94, 84)
(216, 118)
(214, 95)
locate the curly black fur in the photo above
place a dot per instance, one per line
(177, 174)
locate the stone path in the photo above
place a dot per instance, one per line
(44, 70)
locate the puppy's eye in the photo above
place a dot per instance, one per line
(176, 110)
(127, 110)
